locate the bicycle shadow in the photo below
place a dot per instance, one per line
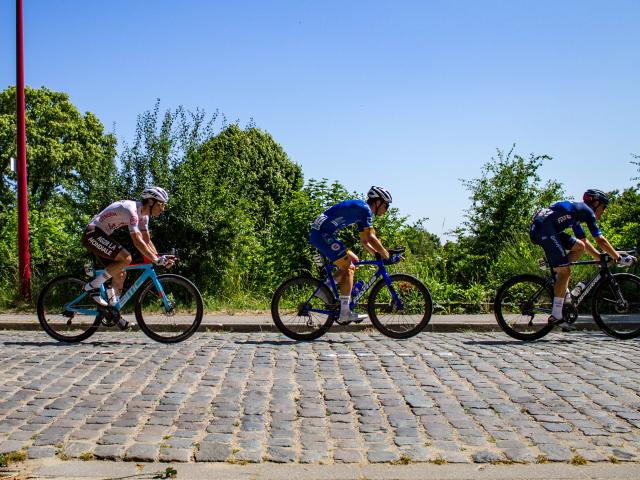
(288, 341)
(522, 343)
(67, 344)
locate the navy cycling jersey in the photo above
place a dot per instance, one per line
(343, 214)
(565, 214)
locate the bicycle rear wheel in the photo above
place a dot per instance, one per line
(404, 316)
(54, 315)
(616, 306)
(180, 320)
(298, 313)
(523, 305)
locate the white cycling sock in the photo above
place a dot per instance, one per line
(344, 305)
(99, 280)
(558, 303)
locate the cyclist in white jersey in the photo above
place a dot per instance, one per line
(97, 239)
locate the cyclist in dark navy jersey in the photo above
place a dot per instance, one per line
(561, 248)
(323, 236)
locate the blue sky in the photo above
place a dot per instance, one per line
(413, 95)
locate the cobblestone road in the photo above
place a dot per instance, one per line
(347, 398)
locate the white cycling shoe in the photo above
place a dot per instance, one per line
(352, 317)
(95, 295)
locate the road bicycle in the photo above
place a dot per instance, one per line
(399, 305)
(523, 303)
(168, 308)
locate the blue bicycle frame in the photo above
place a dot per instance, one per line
(147, 273)
(380, 272)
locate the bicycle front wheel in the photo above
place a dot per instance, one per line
(402, 309)
(58, 305)
(176, 321)
(616, 306)
(303, 308)
(523, 305)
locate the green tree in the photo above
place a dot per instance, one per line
(69, 157)
(503, 200)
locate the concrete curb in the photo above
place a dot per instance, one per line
(257, 327)
(54, 468)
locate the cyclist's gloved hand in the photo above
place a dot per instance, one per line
(164, 260)
(626, 260)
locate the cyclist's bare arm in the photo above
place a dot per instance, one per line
(604, 244)
(147, 239)
(372, 244)
(143, 247)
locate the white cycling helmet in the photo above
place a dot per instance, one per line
(379, 192)
(157, 193)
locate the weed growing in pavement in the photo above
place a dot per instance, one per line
(438, 461)
(169, 472)
(403, 460)
(542, 459)
(87, 456)
(578, 460)
(12, 457)
(613, 459)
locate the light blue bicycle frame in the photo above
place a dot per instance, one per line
(147, 273)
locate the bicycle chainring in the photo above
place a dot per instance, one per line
(110, 316)
(570, 313)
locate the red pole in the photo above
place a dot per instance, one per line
(21, 165)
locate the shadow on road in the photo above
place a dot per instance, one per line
(550, 341)
(287, 341)
(66, 344)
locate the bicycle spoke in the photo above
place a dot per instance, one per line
(616, 306)
(522, 307)
(301, 308)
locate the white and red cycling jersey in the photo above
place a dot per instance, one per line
(124, 213)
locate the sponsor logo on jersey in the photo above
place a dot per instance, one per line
(335, 247)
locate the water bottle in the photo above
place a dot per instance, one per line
(356, 288)
(578, 289)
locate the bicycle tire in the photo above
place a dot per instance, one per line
(184, 295)
(609, 315)
(291, 297)
(513, 303)
(59, 324)
(417, 306)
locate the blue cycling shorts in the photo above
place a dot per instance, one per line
(329, 246)
(555, 246)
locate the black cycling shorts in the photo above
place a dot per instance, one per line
(101, 244)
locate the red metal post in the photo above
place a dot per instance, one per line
(21, 165)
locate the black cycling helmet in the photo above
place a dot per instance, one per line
(595, 195)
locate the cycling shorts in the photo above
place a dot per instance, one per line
(555, 247)
(329, 246)
(101, 244)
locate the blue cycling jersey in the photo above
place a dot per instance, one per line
(565, 214)
(343, 214)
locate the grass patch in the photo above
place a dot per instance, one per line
(613, 459)
(168, 472)
(235, 461)
(438, 461)
(12, 457)
(578, 460)
(403, 460)
(62, 456)
(542, 459)
(87, 456)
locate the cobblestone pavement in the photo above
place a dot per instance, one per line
(346, 398)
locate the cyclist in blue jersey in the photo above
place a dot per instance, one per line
(323, 236)
(547, 230)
